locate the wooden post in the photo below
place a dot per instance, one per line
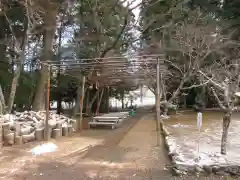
(46, 130)
(108, 99)
(158, 101)
(81, 103)
(87, 102)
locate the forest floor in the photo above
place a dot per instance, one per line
(127, 153)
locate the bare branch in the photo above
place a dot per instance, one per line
(175, 66)
(117, 38)
(196, 85)
(218, 100)
(18, 49)
(176, 93)
(211, 81)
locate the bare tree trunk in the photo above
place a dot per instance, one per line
(49, 33)
(2, 101)
(122, 99)
(87, 102)
(17, 73)
(92, 101)
(59, 103)
(77, 101)
(14, 87)
(165, 111)
(174, 96)
(176, 93)
(226, 123)
(59, 92)
(99, 101)
(185, 101)
(152, 89)
(1, 108)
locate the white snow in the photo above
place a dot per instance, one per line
(191, 147)
(195, 158)
(181, 125)
(44, 148)
(237, 94)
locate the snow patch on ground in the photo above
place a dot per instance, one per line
(181, 125)
(192, 157)
(44, 148)
(192, 148)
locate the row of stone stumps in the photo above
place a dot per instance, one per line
(184, 169)
(9, 137)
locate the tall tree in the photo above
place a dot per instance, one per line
(230, 13)
(103, 26)
(50, 19)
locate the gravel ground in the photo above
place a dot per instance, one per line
(125, 155)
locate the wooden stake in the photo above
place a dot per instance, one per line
(81, 103)
(158, 102)
(108, 99)
(46, 131)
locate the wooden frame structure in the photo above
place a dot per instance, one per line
(129, 71)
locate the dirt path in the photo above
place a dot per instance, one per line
(62, 164)
(126, 154)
